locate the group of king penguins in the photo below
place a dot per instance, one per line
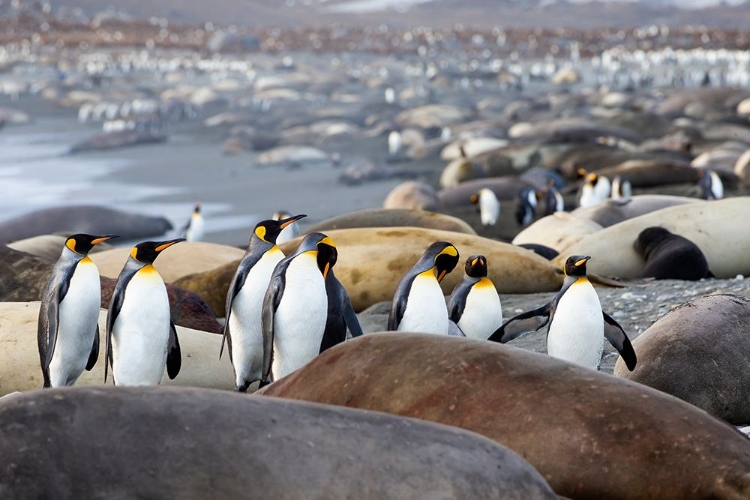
(282, 311)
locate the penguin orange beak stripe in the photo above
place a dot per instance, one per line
(582, 261)
(168, 244)
(291, 220)
(441, 275)
(104, 238)
(474, 262)
(325, 271)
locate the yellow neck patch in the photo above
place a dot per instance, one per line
(148, 269)
(71, 244)
(581, 281)
(86, 260)
(134, 253)
(484, 283)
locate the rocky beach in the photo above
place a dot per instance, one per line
(387, 134)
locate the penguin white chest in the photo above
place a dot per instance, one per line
(78, 317)
(589, 196)
(489, 207)
(197, 229)
(300, 319)
(576, 332)
(140, 335)
(482, 313)
(245, 325)
(425, 311)
(717, 187)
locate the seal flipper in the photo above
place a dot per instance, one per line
(174, 355)
(529, 321)
(94, 355)
(616, 336)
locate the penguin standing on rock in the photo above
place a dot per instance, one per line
(295, 307)
(141, 337)
(242, 327)
(474, 304)
(577, 324)
(419, 304)
(68, 330)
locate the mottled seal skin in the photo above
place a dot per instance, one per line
(89, 219)
(505, 188)
(591, 435)
(610, 212)
(670, 256)
(697, 352)
(392, 217)
(165, 443)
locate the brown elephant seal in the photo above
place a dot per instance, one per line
(189, 258)
(371, 262)
(695, 352)
(201, 366)
(23, 277)
(391, 217)
(591, 435)
(505, 188)
(718, 228)
(610, 212)
(652, 172)
(243, 447)
(559, 231)
(412, 195)
(670, 256)
(89, 219)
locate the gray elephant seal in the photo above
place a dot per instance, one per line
(194, 444)
(89, 219)
(670, 256)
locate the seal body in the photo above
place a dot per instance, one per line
(670, 256)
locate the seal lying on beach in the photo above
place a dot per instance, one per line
(670, 256)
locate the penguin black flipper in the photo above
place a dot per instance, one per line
(352, 322)
(234, 288)
(270, 304)
(53, 318)
(616, 336)
(399, 304)
(529, 321)
(94, 355)
(457, 300)
(341, 315)
(174, 355)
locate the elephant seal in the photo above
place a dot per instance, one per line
(391, 217)
(670, 256)
(694, 352)
(505, 188)
(118, 139)
(591, 435)
(541, 250)
(652, 172)
(89, 219)
(24, 276)
(201, 365)
(558, 231)
(610, 212)
(182, 260)
(371, 262)
(412, 195)
(718, 228)
(297, 449)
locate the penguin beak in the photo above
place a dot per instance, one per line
(167, 244)
(474, 198)
(582, 261)
(101, 239)
(475, 261)
(291, 220)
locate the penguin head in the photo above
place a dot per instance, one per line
(269, 230)
(581, 173)
(197, 209)
(474, 198)
(476, 266)
(83, 243)
(323, 248)
(442, 256)
(148, 251)
(576, 265)
(592, 178)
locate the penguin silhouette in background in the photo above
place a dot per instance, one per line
(526, 206)
(489, 206)
(141, 338)
(576, 323)
(474, 304)
(710, 185)
(195, 230)
(295, 307)
(242, 326)
(68, 329)
(419, 304)
(290, 230)
(553, 200)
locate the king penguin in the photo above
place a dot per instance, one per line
(290, 231)
(621, 188)
(68, 329)
(553, 200)
(589, 194)
(577, 324)
(242, 328)
(141, 337)
(474, 304)
(341, 315)
(195, 230)
(710, 185)
(489, 206)
(526, 208)
(419, 304)
(295, 307)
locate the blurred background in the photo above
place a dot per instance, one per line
(325, 106)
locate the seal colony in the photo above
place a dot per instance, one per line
(531, 183)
